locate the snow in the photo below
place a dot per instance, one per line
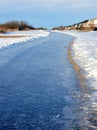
(85, 54)
(84, 49)
(20, 37)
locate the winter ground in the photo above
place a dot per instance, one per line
(20, 37)
(84, 49)
(85, 54)
(53, 75)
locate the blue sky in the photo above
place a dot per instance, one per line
(48, 13)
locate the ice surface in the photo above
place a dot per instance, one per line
(22, 36)
(38, 86)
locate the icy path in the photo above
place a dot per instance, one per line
(38, 86)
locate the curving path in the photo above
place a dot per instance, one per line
(38, 86)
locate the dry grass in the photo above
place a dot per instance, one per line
(14, 36)
(77, 68)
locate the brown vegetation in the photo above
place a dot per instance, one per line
(15, 25)
(2, 29)
(59, 28)
(76, 67)
(13, 36)
(41, 28)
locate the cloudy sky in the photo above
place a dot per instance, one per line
(48, 13)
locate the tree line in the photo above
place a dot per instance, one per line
(15, 25)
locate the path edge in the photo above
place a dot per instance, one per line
(77, 68)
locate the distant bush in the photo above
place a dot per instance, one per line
(59, 28)
(2, 29)
(18, 25)
(41, 28)
(24, 26)
(11, 25)
(15, 25)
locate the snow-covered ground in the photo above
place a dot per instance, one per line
(85, 54)
(20, 36)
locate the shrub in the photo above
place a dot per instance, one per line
(2, 29)
(17, 25)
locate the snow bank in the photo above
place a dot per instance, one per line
(20, 36)
(85, 54)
